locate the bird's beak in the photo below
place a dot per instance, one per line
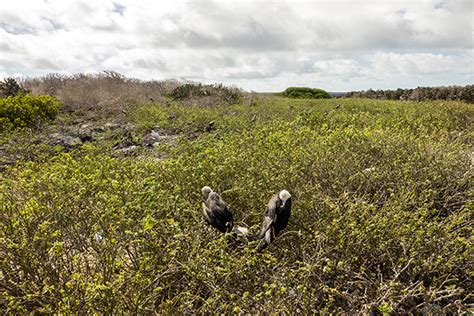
(283, 203)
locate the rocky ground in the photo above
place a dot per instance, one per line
(122, 138)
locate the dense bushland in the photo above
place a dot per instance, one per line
(27, 110)
(458, 93)
(110, 94)
(305, 93)
(105, 94)
(381, 218)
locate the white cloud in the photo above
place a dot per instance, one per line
(421, 63)
(259, 45)
(339, 68)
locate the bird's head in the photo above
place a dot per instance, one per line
(214, 196)
(206, 191)
(284, 196)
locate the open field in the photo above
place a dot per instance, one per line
(104, 216)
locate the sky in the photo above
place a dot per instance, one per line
(256, 45)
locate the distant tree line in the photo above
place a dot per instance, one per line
(458, 93)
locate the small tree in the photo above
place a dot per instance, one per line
(305, 93)
(10, 88)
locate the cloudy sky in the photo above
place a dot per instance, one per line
(257, 45)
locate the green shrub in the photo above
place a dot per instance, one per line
(305, 93)
(219, 92)
(459, 93)
(9, 88)
(186, 91)
(27, 110)
(381, 220)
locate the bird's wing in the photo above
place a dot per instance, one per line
(268, 221)
(288, 204)
(206, 212)
(223, 214)
(266, 235)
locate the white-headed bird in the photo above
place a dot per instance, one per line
(275, 218)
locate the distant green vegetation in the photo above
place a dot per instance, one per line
(381, 220)
(27, 110)
(190, 90)
(305, 93)
(454, 93)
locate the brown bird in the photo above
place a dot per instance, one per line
(216, 212)
(275, 218)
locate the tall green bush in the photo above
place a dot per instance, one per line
(305, 93)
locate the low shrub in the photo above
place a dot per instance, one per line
(9, 87)
(187, 90)
(381, 220)
(103, 95)
(217, 92)
(109, 94)
(305, 93)
(27, 110)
